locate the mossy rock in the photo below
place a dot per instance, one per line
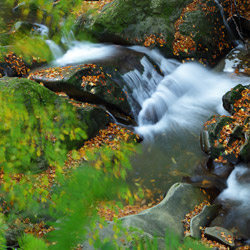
(134, 22)
(37, 125)
(98, 86)
(131, 22)
(210, 137)
(231, 97)
(205, 28)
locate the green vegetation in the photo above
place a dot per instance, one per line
(31, 131)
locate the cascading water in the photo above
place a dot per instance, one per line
(236, 199)
(180, 98)
(170, 102)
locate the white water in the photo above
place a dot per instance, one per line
(182, 96)
(170, 101)
(236, 198)
(84, 52)
(56, 50)
(238, 188)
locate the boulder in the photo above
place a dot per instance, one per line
(166, 217)
(230, 98)
(86, 83)
(226, 138)
(211, 141)
(178, 28)
(37, 120)
(169, 213)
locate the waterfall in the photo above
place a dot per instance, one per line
(55, 49)
(167, 96)
(182, 97)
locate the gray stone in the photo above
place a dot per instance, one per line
(220, 234)
(168, 214)
(156, 221)
(202, 219)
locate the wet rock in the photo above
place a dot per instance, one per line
(211, 142)
(240, 24)
(236, 61)
(160, 24)
(231, 97)
(86, 83)
(220, 234)
(202, 219)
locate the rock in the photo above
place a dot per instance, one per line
(231, 97)
(156, 221)
(179, 28)
(202, 219)
(226, 138)
(220, 234)
(211, 135)
(63, 122)
(168, 214)
(86, 83)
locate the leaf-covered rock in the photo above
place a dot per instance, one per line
(183, 28)
(86, 83)
(226, 138)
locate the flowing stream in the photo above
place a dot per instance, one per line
(170, 106)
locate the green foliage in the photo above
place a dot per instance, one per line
(31, 130)
(3, 228)
(29, 242)
(172, 242)
(36, 128)
(74, 201)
